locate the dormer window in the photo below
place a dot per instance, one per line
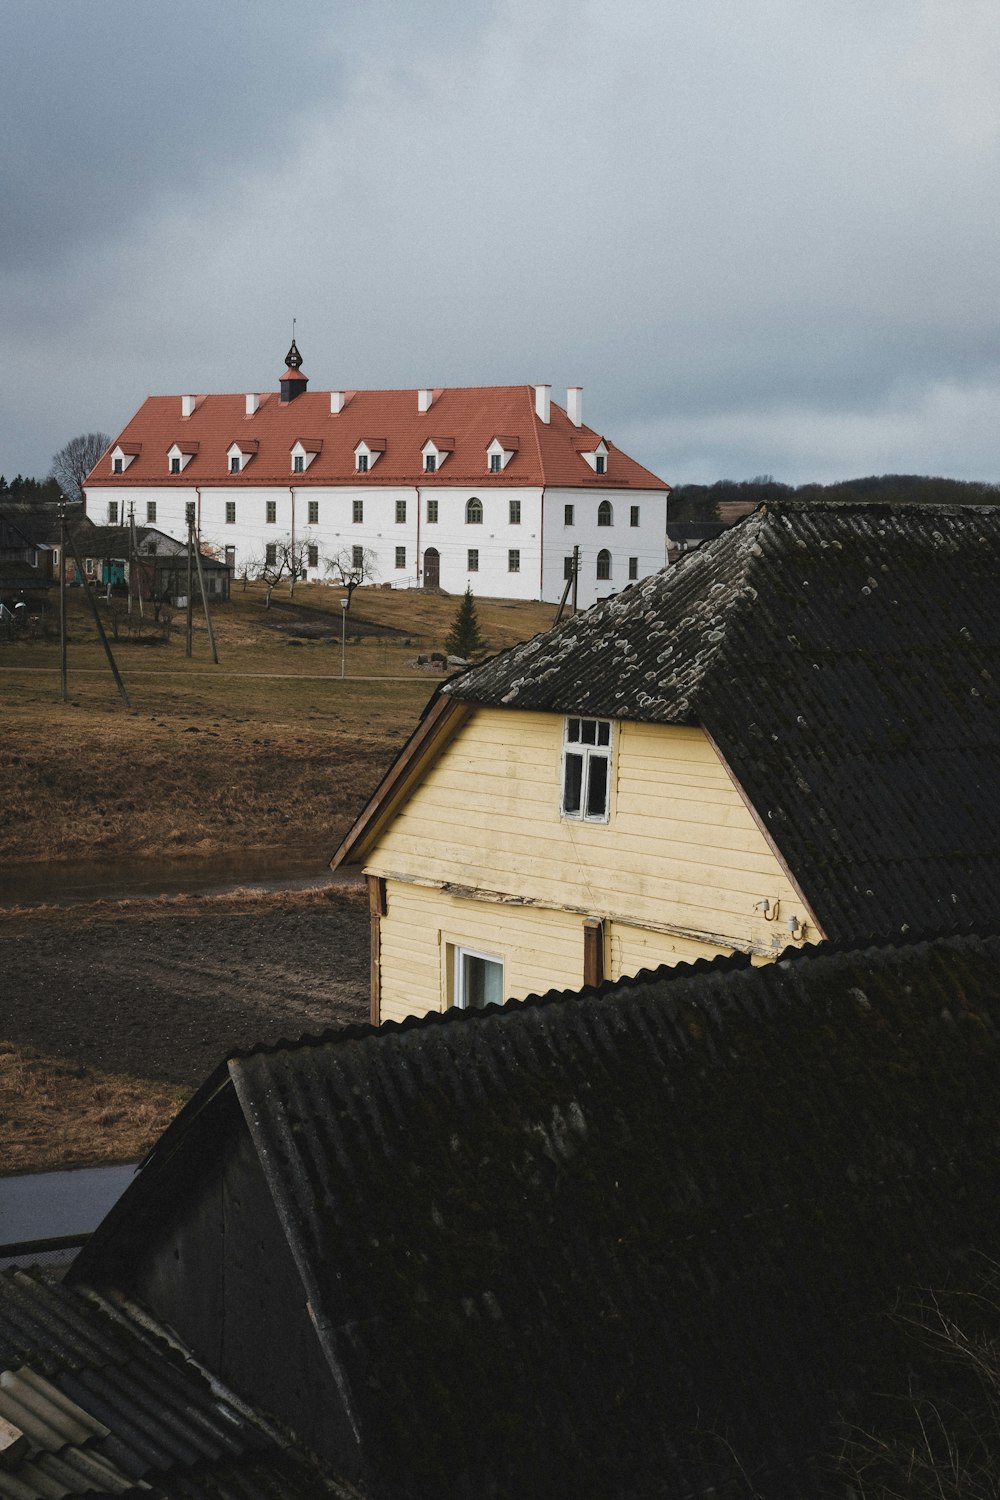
(303, 453)
(240, 454)
(435, 452)
(122, 456)
(594, 452)
(367, 454)
(499, 453)
(179, 456)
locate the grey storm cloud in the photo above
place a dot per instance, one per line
(761, 234)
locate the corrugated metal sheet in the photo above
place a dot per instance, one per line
(119, 1405)
(844, 657)
(639, 1241)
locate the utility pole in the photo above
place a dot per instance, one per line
(190, 589)
(62, 602)
(97, 621)
(133, 564)
(576, 573)
(343, 635)
(204, 601)
(574, 568)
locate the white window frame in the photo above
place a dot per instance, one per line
(589, 753)
(459, 996)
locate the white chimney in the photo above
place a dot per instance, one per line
(543, 395)
(574, 404)
(337, 401)
(188, 404)
(425, 400)
(253, 402)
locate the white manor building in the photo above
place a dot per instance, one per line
(491, 487)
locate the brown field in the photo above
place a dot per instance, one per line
(111, 1014)
(271, 748)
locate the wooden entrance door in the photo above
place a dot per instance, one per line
(432, 568)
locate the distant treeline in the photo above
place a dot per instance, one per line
(29, 490)
(701, 502)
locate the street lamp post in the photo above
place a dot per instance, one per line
(343, 635)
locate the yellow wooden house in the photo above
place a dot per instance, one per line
(774, 742)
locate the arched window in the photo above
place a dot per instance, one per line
(474, 512)
(605, 515)
(603, 564)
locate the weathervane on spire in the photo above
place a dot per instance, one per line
(293, 359)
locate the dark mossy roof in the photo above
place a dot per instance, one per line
(639, 1241)
(108, 1405)
(845, 660)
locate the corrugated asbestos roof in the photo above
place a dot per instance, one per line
(106, 1406)
(634, 1242)
(845, 659)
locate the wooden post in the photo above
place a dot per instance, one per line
(190, 590)
(576, 574)
(204, 602)
(100, 628)
(376, 911)
(62, 603)
(593, 952)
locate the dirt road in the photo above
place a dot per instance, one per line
(164, 989)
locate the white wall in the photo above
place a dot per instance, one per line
(541, 558)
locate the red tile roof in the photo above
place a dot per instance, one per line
(544, 453)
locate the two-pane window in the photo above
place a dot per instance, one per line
(175, 466)
(478, 979)
(270, 512)
(633, 515)
(189, 513)
(514, 560)
(567, 515)
(298, 464)
(473, 559)
(357, 557)
(234, 464)
(400, 557)
(270, 554)
(633, 568)
(586, 769)
(230, 512)
(357, 511)
(496, 463)
(312, 553)
(432, 512)
(313, 512)
(150, 512)
(514, 512)
(400, 512)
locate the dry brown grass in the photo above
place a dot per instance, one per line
(269, 749)
(56, 1113)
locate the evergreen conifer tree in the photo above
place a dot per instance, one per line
(464, 638)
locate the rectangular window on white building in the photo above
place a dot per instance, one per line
(358, 512)
(633, 568)
(230, 512)
(112, 512)
(586, 780)
(270, 511)
(432, 512)
(400, 512)
(150, 512)
(313, 512)
(514, 560)
(633, 515)
(357, 557)
(514, 512)
(473, 559)
(312, 553)
(189, 513)
(567, 515)
(400, 557)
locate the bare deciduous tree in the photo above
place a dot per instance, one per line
(72, 464)
(351, 567)
(282, 558)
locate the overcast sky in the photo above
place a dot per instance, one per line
(762, 234)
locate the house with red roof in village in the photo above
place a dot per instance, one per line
(496, 488)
